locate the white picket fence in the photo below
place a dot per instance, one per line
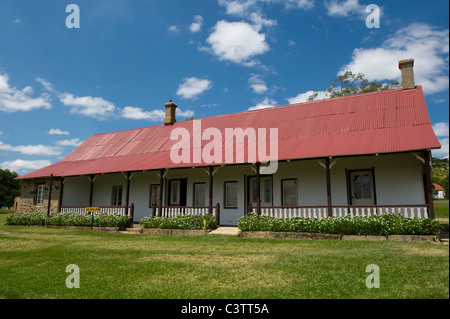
(411, 211)
(109, 210)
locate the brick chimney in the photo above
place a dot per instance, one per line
(170, 113)
(406, 67)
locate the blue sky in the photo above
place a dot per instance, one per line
(60, 85)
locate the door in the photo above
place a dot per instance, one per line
(362, 188)
(265, 191)
(177, 192)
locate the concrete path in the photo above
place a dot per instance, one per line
(224, 230)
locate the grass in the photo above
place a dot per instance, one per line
(33, 262)
(441, 208)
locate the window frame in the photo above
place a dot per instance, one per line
(40, 194)
(225, 193)
(195, 193)
(158, 186)
(114, 193)
(282, 191)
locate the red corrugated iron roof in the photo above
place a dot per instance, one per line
(438, 187)
(380, 122)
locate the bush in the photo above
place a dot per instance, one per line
(68, 219)
(194, 222)
(387, 224)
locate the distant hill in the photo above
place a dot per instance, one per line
(439, 173)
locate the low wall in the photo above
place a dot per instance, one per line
(293, 235)
(180, 232)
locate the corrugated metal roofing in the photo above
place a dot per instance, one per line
(379, 122)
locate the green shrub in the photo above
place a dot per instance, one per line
(68, 219)
(387, 224)
(194, 222)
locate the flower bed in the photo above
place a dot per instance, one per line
(193, 222)
(384, 225)
(68, 219)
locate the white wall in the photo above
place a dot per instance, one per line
(398, 180)
(76, 191)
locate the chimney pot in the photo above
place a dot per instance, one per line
(169, 119)
(406, 67)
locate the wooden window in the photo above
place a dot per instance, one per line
(116, 198)
(231, 192)
(40, 194)
(289, 192)
(199, 194)
(154, 195)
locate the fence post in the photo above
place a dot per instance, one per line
(218, 213)
(249, 208)
(132, 212)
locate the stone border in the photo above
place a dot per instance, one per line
(294, 235)
(179, 232)
(102, 229)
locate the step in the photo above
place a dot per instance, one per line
(226, 231)
(134, 230)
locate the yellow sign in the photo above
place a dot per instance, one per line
(92, 209)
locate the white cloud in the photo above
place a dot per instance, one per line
(303, 97)
(242, 7)
(264, 104)
(32, 149)
(173, 28)
(70, 142)
(237, 7)
(196, 26)
(192, 87)
(21, 166)
(95, 107)
(187, 113)
(428, 46)
(47, 85)
(57, 131)
(136, 113)
(13, 100)
(237, 42)
(257, 84)
(259, 22)
(441, 129)
(443, 152)
(345, 8)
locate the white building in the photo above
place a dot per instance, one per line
(361, 154)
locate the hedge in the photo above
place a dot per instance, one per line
(194, 222)
(387, 224)
(68, 219)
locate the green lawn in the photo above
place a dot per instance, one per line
(33, 262)
(441, 208)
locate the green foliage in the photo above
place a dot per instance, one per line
(9, 187)
(351, 84)
(194, 222)
(387, 224)
(439, 174)
(68, 219)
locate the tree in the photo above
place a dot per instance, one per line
(9, 187)
(350, 84)
(440, 174)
